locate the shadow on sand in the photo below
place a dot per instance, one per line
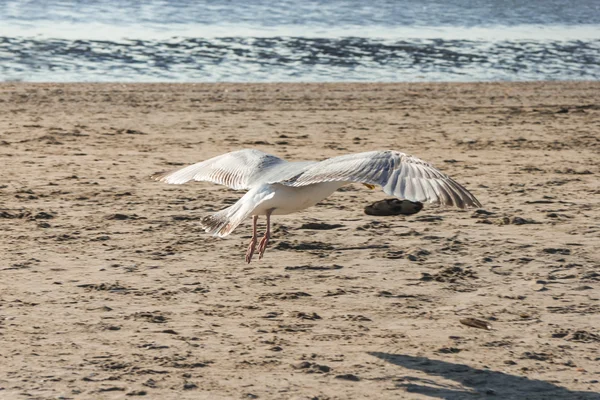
(475, 383)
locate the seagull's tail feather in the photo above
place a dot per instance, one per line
(222, 223)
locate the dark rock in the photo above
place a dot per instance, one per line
(389, 207)
(189, 386)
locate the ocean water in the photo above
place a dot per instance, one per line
(299, 41)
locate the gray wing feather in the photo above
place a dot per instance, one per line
(239, 169)
(399, 174)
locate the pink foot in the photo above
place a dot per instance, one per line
(265, 240)
(251, 249)
(252, 245)
(263, 245)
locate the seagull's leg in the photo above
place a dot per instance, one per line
(252, 245)
(265, 240)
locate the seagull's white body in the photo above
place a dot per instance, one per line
(284, 199)
(277, 187)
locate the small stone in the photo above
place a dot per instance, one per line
(137, 393)
(476, 323)
(189, 386)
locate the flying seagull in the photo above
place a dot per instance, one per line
(277, 187)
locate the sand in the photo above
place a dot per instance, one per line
(109, 289)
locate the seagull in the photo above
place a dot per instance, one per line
(278, 187)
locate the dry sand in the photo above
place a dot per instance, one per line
(110, 290)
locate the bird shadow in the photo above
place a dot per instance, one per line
(474, 383)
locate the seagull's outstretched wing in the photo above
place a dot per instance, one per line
(238, 169)
(400, 175)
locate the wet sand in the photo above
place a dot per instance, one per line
(109, 289)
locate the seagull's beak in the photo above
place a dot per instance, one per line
(369, 186)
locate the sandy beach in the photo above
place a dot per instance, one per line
(109, 289)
